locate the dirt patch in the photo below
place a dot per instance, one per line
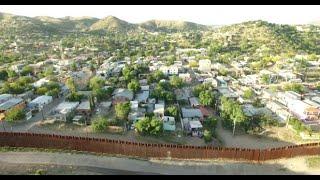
(248, 141)
(44, 169)
(313, 162)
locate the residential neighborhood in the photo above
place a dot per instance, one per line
(254, 84)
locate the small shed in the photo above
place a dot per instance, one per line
(194, 101)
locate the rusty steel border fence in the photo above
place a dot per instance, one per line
(145, 150)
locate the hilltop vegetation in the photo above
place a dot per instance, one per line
(172, 26)
(263, 42)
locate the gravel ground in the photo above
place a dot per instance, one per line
(53, 163)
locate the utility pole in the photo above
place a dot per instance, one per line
(42, 109)
(234, 126)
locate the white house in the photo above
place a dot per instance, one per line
(134, 105)
(169, 123)
(159, 109)
(40, 82)
(145, 88)
(170, 70)
(211, 81)
(64, 109)
(185, 77)
(195, 127)
(204, 65)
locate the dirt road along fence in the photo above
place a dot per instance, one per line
(144, 150)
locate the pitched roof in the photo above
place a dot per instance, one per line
(191, 112)
(10, 103)
(123, 92)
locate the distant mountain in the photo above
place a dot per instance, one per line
(44, 24)
(162, 25)
(112, 23)
(21, 24)
(249, 36)
(68, 23)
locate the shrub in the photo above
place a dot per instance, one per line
(15, 114)
(99, 124)
(149, 126)
(207, 135)
(298, 125)
(74, 97)
(211, 123)
(122, 110)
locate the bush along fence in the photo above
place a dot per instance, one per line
(144, 150)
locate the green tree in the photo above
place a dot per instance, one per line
(193, 64)
(149, 126)
(169, 97)
(12, 74)
(265, 78)
(248, 94)
(223, 71)
(99, 124)
(71, 85)
(42, 90)
(200, 88)
(134, 86)
(207, 135)
(170, 60)
(49, 71)
(298, 88)
(73, 66)
(74, 97)
(232, 113)
(96, 83)
(298, 125)
(128, 73)
(26, 70)
(158, 75)
(206, 98)
(122, 110)
(15, 114)
(176, 82)
(3, 75)
(172, 111)
(53, 92)
(210, 123)
(237, 116)
(102, 94)
(313, 57)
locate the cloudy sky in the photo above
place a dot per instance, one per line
(203, 14)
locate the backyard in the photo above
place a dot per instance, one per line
(51, 127)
